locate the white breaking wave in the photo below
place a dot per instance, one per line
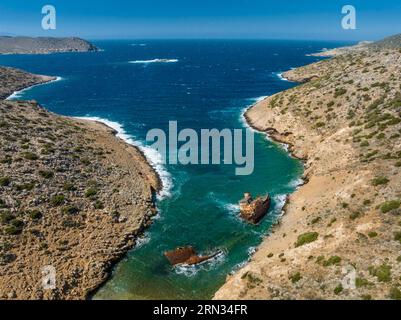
(242, 114)
(258, 99)
(154, 157)
(138, 44)
(232, 208)
(280, 201)
(280, 76)
(18, 94)
(154, 61)
(296, 183)
(192, 270)
(142, 240)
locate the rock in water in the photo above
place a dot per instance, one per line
(254, 210)
(186, 255)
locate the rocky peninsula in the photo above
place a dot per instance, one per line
(43, 45)
(340, 236)
(73, 196)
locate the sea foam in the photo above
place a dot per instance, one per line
(154, 61)
(19, 93)
(192, 270)
(280, 76)
(154, 157)
(242, 119)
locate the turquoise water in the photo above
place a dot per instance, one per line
(207, 85)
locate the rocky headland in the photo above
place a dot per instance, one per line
(340, 236)
(43, 45)
(73, 196)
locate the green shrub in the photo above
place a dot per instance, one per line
(6, 217)
(91, 192)
(12, 230)
(5, 181)
(15, 227)
(25, 186)
(333, 260)
(305, 238)
(338, 289)
(379, 181)
(70, 210)
(30, 156)
(295, 277)
(57, 200)
(372, 234)
(98, 205)
(382, 273)
(68, 186)
(339, 92)
(390, 205)
(85, 161)
(46, 174)
(354, 215)
(7, 160)
(316, 220)
(362, 282)
(397, 236)
(366, 202)
(35, 214)
(395, 293)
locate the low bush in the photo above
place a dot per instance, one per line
(390, 205)
(57, 200)
(5, 181)
(306, 238)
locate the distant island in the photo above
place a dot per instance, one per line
(44, 45)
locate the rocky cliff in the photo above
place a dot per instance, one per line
(340, 237)
(72, 196)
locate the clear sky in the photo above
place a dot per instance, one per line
(282, 19)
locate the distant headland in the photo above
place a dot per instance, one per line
(44, 45)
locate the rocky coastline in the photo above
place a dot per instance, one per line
(73, 196)
(343, 120)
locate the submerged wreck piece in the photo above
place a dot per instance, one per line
(186, 255)
(253, 210)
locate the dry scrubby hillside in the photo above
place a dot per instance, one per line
(72, 195)
(345, 121)
(14, 80)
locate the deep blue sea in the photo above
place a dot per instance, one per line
(205, 84)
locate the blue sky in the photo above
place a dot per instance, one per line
(289, 19)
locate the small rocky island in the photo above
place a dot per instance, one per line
(44, 45)
(253, 210)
